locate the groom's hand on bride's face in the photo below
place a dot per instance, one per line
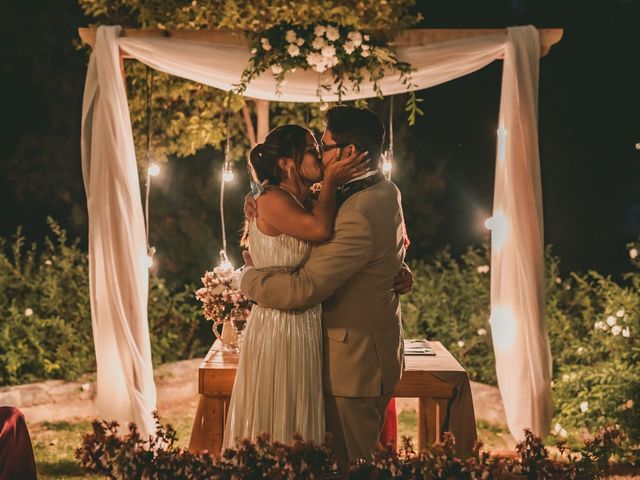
(403, 283)
(250, 207)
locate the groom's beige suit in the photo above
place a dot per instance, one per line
(352, 276)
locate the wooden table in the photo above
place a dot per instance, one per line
(419, 380)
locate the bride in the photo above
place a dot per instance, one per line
(278, 386)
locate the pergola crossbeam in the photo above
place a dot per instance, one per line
(406, 38)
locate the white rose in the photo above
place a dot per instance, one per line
(355, 37)
(332, 33)
(626, 332)
(580, 350)
(265, 44)
(611, 320)
(483, 269)
(482, 331)
(276, 69)
(319, 30)
(365, 53)
(616, 330)
(328, 51)
(620, 313)
(584, 406)
(300, 42)
(293, 50)
(633, 253)
(565, 377)
(28, 312)
(598, 325)
(349, 47)
(564, 433)
(629, 404)
(48, 262)
(558, 280)
(290, 36)
(318, 43)
(460, 343)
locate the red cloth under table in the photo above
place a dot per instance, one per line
(16, 452)
(390, 429)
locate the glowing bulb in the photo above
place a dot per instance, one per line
(225, 265)
(637, 146)
(154, 169)
(151, 252)
(499, 227)
(227, 172)
(387, 166)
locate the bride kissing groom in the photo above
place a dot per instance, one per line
(322, 348)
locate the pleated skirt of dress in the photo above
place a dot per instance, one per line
(278, 385)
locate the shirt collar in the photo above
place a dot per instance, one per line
(363, 176)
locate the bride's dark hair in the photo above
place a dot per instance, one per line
(283, 141)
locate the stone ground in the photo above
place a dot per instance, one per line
(59, 412)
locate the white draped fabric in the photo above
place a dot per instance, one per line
(116, 227)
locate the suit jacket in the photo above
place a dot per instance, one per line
(352, 275)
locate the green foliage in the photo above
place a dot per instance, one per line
(188, 117)
(593, 324)
(45, 317)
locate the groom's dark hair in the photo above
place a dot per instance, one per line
(359, 126)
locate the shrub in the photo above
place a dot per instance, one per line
(593, 324)
(45, 328)
(106, 453)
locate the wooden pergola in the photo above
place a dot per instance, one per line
(406, 38)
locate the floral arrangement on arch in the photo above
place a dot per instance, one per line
(347, 54)
(221, 297)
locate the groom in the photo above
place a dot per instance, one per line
(352, 275)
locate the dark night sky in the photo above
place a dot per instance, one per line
(589, 97)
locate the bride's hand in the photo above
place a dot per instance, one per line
(340, 171)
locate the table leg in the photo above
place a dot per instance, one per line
(431, 412)
(214, 412)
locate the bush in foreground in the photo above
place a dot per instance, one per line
(45, 327)
(106, 453)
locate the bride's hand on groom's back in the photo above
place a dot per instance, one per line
(250, 207)
(403, 283)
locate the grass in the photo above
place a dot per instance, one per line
(54, 443)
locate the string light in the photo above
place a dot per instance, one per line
(225, 265)
(227, 176)
(499, 227)
(387, 157)
(227, 172)
(154, 170)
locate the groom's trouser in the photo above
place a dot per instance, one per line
(354, 424)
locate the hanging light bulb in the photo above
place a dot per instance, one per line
(227, 172)
(151, 252)
(387, 163)
(154, 169)
(225, 265)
